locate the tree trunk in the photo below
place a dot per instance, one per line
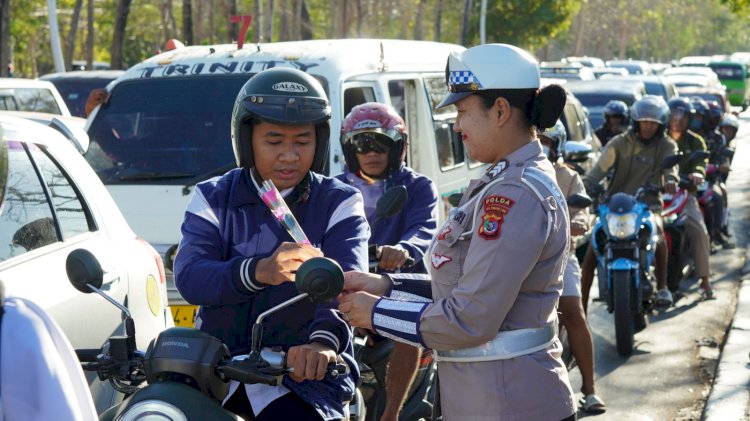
(70, 40)
(197, 17)
(118, 34)
(438, 16)
(418, 35)
(167, 21)
(187, 21)
(360, 17)
(284, 21)
(90, 34)
(5, 52)
(211, 24)
(305, 22)
(271, 12)
(233, 27)
(465, 22)
(578, 24)
(258, 17)
(343, 22)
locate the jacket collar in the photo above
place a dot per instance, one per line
(517, 158)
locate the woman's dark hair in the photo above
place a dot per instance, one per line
(541, 107)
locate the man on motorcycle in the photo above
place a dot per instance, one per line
(694, 170)
(571, 313)
(729, 127)
(236, 260)
(373, 137)
(615, 121)
(636, 156)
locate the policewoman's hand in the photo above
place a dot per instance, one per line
(363, 281)
(281, 266)
(309, 361)
(392, 257)
(578, 228)
(357, 308)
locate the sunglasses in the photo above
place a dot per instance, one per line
(366, 142)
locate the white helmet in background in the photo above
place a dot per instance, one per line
(731, 121)
(489, 66)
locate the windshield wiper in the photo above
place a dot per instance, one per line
(154, 175)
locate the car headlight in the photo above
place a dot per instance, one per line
(153, 410)
(621, 225)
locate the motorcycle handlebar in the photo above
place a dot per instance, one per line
(248, 372)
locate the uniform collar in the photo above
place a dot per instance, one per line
(516, 158)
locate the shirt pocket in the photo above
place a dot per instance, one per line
(444, 258)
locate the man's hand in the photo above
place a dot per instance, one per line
(283, 263)
(392, 257)
(696, 178)
(309, 361)
(577, 228)
(96, 97)
(363, 281)
(357, 308)
(670, 186)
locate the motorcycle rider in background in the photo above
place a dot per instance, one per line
(570, 309)
(693, 169)
(236, 260)
(373, 138)
(729, 126)
(615, 121)
(636, 156)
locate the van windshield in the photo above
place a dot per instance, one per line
(165, 130)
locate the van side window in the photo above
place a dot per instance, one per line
(450, 149)
(398, 100)
(27, 220)
(356, 96)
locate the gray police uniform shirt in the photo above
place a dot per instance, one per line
(496, 265)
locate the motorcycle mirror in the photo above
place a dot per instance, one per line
(455, 199)
(579, 200)
(83, 269)
(576, 151)
(671, 161)
(391, 202)
(321, 278)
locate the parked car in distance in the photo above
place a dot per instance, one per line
(585, 60)
(80, 65)
(654, 84)
(55, 204)
(707, 93)
(562, 70)
(637, 67)
(578, 128)
(600, 72)
(694, 61)
(711, 79)
(74, 87)
(594, 95)
(19, 94)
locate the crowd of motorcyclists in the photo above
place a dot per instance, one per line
(236, 261)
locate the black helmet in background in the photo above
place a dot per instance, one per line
(615, 108)
(282, 96)
(679, 107)
(701, 112)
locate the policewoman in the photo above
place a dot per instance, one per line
(496, 265)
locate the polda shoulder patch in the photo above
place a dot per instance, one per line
(495, 209)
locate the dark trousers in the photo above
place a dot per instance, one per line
(287, 407)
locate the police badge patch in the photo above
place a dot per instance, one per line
(495, 209)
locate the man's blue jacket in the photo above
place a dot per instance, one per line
(228, 228)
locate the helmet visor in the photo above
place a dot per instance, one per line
(371, 142)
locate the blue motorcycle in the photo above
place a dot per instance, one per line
(623, 241)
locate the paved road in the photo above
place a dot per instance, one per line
(669, 374)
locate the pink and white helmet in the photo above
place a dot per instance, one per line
(381, 120)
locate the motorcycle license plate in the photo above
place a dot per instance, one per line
(184, 316)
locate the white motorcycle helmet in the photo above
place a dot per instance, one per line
(509, 72)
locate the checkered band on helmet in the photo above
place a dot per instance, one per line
(463, 81)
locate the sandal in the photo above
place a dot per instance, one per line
(663, 298)
(708, 294)
(593, 404)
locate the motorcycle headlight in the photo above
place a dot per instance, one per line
(153, 410)
(621, 225)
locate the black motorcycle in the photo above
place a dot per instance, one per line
(185, 373)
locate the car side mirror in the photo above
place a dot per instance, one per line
(76, 135)
(576, 151)
(579, 200)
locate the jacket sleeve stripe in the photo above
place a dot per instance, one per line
(199, 206)
(351, 206)
(398, 318)
(327, 337)
(247, 277)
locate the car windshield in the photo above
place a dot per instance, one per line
(596, 99)
(75, 92)
(38, 100)
(729, 72)
(178, 132)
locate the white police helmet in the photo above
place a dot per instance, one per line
(489, 66)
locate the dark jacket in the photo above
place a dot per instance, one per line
(227, 229)
(413, 227)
